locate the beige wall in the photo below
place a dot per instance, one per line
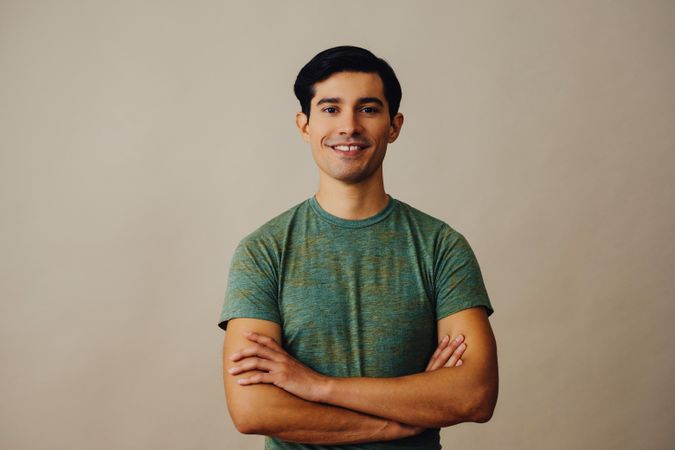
(141, 140)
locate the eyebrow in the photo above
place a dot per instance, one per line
(359, 101)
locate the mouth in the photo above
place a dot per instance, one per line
(349, 149)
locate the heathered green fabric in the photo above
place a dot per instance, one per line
(355, 298)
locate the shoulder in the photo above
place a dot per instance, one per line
(273, 232)
(444, 240)
(426, 223)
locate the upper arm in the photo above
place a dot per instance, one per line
(243, 400)
(480, 357)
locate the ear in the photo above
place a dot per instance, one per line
(395, 127)
(302, 122)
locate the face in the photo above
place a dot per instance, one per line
(349, 126)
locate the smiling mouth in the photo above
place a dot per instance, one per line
(348, 151)
(348, 148)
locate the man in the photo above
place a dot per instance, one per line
(339, 311)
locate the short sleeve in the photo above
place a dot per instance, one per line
(458, 282)
(251, 284)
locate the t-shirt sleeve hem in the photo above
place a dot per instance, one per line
(252, 315)
(447, 312)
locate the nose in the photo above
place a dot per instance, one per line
(349, 123)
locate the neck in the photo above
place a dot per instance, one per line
(352, 201)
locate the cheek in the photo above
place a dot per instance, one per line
(316, 143)
(315, 135)
(316, 146)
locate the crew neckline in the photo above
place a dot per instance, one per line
(352, 223)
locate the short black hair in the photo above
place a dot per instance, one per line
(346, 58)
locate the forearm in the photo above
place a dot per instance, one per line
(434, 399)
(273, 412)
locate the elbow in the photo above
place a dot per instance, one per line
(483, 406)
(246, 420)
(256, 410)
(478, 408)
(245, 427)
(244, 423)
(482, 415)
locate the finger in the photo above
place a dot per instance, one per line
(264, 340)
(447, 352)
(441, 346)
(256, 379)
(257, 350)
(444, 354)
(459, 363)
(249, 364)
(456, 355)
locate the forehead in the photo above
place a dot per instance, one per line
(349, 86)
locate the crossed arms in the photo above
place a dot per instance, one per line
(273, 394)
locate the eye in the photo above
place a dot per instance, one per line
(329, 109)
(369, 109)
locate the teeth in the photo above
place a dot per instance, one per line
(347, 148)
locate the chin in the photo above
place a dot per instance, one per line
(352, 178)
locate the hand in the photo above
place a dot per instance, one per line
(279, 368)
(447, 354)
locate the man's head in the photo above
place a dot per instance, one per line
(352, 98)
(346, 58)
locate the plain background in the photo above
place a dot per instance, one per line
(142, 140)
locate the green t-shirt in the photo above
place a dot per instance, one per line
(355, 298)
